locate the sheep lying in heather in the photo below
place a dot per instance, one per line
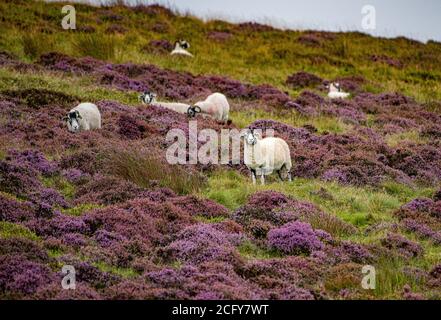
(181, 47)
(85, 116)
(215, 106)
(263, 156)
(150, 99)
(336, 93)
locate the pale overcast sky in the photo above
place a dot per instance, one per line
(418, 19)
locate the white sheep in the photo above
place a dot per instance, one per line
(84, 116)
(215, 106)
(150, 99)
(181, 47)
(263, 156)
(335, 92)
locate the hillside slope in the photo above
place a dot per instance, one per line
(367, 170)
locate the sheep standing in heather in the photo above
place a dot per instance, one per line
(181, 47)
(215, 106)
(335, 92)
(263, 156)
(85, 116)
(150, 99)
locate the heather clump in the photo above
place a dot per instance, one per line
(294, 238)
(17, 180)
(268, 209)
(20, 277)
(400, 244)
(26, 248)
(158, 47)
(303, 79)
(202, 242)
(33, 159)
(106, 190)
(14, 210)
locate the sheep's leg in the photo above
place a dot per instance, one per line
(253, 176)
(262, 179)
(280, 175)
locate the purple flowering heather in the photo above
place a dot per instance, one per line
(106, 238)
(15, 211)
(50, 197)
(73, 239)
(158, 47)
(20, 277)
(350, 251)
(203, 207)
(397, 242)
(267, 200)
(422, 230)
(294, 238)
(58, 226)
(419, 204)
(87, 273)
(219, 36)
(73, 175)
(28, 249)
(53, 291)
(33, 159)
(303, 79)
(17, 180)
(202, 242)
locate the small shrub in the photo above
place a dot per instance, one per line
(294, 237)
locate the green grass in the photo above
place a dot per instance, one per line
(142, 168)
(243, 119)
(249, 250)
(209, 220)
(84, 88)
(356, 205)
(61, 184)
(96, 46)
(13, 230)
(80, 209)
(397, 139)
(124, 272)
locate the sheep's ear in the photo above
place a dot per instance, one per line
(197, 109)
(78, 115)
(65, 118)
(257, 135)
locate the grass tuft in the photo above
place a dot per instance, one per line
(96, 46)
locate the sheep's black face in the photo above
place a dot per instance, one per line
(250, 138)
(184, 44)
(72, 120)
(192, 111)
(147, 97)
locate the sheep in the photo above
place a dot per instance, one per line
(215, 106)
(84, 116)
(335, 91)
(181, 47)
(263, 156)
(150, 99)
